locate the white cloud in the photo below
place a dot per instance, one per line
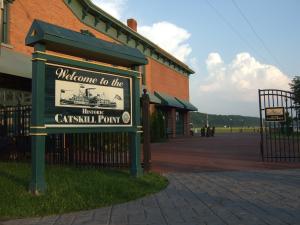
(112, 7)
(242, 77)
(214, 59)
(194, 63)
(233, 87)
(170, 37)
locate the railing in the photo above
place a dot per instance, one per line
(92, 150)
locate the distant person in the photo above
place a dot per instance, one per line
(202, 132)
(208, 131)
(191, 132)
(213, 131)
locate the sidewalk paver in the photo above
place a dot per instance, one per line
(264, 197)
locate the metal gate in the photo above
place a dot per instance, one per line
(279, 126)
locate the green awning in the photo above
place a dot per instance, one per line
(73, 43)
(187, 105)
(168, 100)
(14, 63)
(154, 99)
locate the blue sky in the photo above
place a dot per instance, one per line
(215, 39)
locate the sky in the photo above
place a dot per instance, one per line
(235, 47)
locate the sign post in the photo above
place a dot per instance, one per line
(135, 137)
(80, 96)
(38, 184)
(146, 129)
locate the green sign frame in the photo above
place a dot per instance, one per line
(43, 36)
(39, 129)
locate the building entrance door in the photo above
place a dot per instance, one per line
(179, 123)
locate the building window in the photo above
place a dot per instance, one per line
(4, 27)
(4, 20)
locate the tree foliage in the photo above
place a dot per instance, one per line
(157, 125)
(199, 120)
(295, 87)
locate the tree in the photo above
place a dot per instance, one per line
(295, 87)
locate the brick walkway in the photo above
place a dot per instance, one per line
(236, 151)
(213, 181)
(209, 198)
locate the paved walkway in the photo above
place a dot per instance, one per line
(213, 181)
(224, 152)
(209, 198)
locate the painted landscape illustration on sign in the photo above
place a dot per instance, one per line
(82, 95)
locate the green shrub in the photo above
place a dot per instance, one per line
(158, 128)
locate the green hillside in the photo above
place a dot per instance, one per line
(199, 120)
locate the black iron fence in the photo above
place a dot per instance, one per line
(280, 140)
(91, 149)
(14, 132)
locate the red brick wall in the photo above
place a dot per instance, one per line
(23, 12)
(163, 79)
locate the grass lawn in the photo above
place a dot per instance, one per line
(222, 130)
(69, 189)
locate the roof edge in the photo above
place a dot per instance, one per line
(66, 41)
(107, 16)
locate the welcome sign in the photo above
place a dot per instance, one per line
(77, 97)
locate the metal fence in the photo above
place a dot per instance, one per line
(14, 132)
(280, 140)
(91, 149)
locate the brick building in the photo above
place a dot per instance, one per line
(165, 77)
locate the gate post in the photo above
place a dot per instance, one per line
(261, 127)
(38, 184)
(146, 129)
